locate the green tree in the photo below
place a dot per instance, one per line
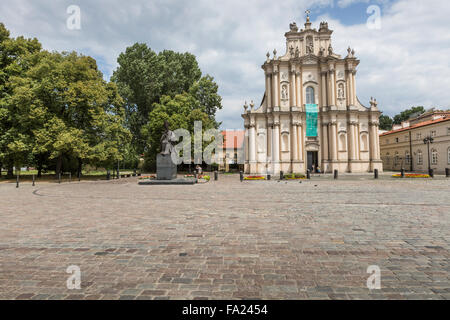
(181, 112)
(206, 92)
(69, 111)
(144, 76)
(386, 122)
(404, 115)
(15, 139)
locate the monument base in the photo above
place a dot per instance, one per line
(168, 182)
(165, 168)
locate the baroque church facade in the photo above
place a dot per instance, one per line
(310, 116)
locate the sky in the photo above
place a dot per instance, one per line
(404, 59)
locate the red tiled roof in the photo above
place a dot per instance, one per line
(418, 125)
(233, 139)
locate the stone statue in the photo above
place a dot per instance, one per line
(284, 93)
(330, 50)
(166, 140)
(341, 91)
(297, 52)
(310, 48)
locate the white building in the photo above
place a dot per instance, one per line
(310, 115)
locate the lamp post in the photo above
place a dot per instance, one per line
(428, 140)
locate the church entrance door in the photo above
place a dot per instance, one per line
(313, 160)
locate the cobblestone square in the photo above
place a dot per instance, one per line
(226, 239)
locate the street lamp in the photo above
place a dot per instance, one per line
(428, 140)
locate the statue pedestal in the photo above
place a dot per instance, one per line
(165, 168)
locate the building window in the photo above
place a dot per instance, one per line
(419, 157)
(387, 141)
(434, 157)
(407, 158)
(310, 99)
(448, 131)
(406, 138)
(387, 158)
(448, 155)
(433, 133)
(396, 140)
(419, 136)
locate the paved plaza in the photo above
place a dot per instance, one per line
(226, 239)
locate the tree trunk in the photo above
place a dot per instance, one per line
(58, 166)
(10, 173)
(80, 167)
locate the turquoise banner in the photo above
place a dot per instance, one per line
(312, 113)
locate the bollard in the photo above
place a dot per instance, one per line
(216, 175)
(59, 177)
(281, 175)
(17, 181)
(375, 173)
(269, 177)
(34, 179)
(402, 173)
(70, 177)
(447, 172)
(308, 174)
(241, 176)
(432, 173)
(336, 174)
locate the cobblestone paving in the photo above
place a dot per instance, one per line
(226, 239)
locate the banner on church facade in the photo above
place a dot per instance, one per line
(312, 113)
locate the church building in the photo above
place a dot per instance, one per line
(310, 116)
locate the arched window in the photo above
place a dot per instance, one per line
(448, 155)
(434, 157)
(407, 157)
(419, 157)
(310, 99)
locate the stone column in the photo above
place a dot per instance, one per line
(299, 86)
(372, 140)
(276, 146)
(275, 86)
(247, 149)
(268, 92)
(301, 144)
(332, 88)
(324, 89)
(269, 141)
(351, 140)
(325, 140)
(293, 89)
(377, 143)
(333, 141)
(350, 88)
(294, 152)
(357, 142)
(252, 140)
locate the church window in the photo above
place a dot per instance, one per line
(419, 136)
(433, 133)
(419, 157)
(310, 99)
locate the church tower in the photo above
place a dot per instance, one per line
(310, 116)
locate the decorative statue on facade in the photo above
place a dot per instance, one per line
(330, 50)
(310, 48)
(297, 52)
(341, 91)
(167, 138)
(293, 27)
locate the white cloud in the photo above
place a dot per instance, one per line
(403, 64)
